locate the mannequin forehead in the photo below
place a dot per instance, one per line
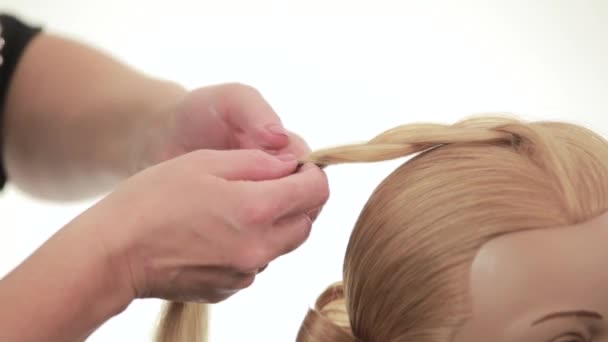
(519, 277)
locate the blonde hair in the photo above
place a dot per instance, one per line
(183, 322)
(406, 268)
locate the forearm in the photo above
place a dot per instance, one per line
(72, 118)
(63, 292)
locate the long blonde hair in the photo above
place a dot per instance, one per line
(406, 267)
(183, 322)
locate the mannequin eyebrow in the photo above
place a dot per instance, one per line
(575, 313)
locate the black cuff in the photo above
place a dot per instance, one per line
(16, 35)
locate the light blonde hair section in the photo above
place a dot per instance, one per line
(183, 322)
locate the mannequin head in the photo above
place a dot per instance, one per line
(557, 292)
(487, 234)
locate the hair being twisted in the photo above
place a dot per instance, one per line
(404, 140)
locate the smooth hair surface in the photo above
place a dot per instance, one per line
(183, 322)
(407, 264)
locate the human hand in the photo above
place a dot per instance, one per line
(221, 117)
(201, 226)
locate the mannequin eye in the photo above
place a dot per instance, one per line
(571, 337)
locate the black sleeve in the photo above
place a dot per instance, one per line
(15, 35)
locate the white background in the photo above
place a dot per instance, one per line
(336, 72)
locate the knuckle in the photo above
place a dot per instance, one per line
(233, 88)
(291, 192)
(315, 188)
(252, 257)
(303, 230)
(217, 298)
(255, 213)
(244, 281)
(322, 187)
(257, 156)
(300, 229)
(256, 159)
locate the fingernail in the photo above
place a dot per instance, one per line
(286, 157)
(277, 129)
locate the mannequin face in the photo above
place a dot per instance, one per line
(547, 285)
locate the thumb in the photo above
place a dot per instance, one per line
(247, 110)
(252, 165)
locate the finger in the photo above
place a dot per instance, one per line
(253, 165)
(298, 193)
(206, 284)
(245, 109)
(289, 234)
(297, 145)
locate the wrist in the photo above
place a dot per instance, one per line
(151, 135)
(69, 287)
(99, 276)
(112, 285)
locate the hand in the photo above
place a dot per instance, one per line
(222, 117)
(200, 226)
